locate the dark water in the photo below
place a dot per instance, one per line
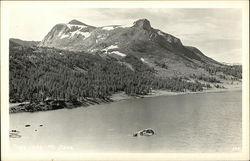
(209, 122)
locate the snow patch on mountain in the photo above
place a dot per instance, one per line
(93, 50)
(160, 33)
(112, 47)
(77, 32)
(72, 34)
(70, 26)
(64, 36)
(60, 33)
(118, 53)
(108, 28)
(126, 25)
(109, 48)
(85, 34)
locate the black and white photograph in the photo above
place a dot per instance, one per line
(81, 78)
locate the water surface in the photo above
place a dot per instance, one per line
(209, 122)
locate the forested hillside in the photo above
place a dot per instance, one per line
(40, 73)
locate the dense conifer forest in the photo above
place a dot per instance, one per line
(40, 73)
(37, 74)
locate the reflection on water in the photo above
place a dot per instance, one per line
(208, 122)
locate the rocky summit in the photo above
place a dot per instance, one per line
(142, 23)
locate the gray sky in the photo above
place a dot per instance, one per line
(216, 32)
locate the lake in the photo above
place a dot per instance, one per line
(208, 122)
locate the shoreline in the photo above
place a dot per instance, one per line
(155, 93)
(117, 97)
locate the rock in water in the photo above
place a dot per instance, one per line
(14, 134)
(145, 132)
(14, 131)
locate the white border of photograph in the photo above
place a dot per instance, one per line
(6, 5)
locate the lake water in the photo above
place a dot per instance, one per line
(209, 122)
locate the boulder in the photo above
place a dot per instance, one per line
(145, 132)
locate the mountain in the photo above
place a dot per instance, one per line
(76, 61)
(140, 39)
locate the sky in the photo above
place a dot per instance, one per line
(215, 31)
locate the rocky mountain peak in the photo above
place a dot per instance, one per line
(142, 23)
(76, 22)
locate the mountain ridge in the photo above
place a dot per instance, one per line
(141, 23)
(139, 39)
